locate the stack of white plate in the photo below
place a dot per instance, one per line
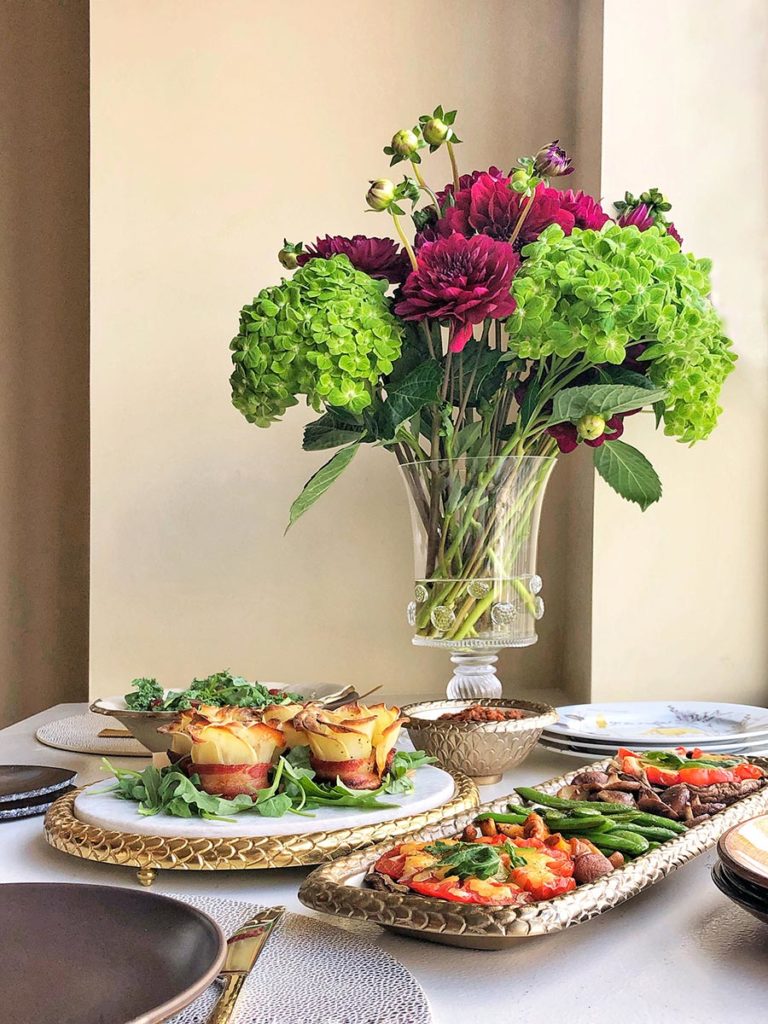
(598, 730)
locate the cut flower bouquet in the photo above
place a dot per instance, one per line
(516, 322)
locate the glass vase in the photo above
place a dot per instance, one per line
(475, 530)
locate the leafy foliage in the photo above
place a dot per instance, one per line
(601, 399)
(474, 860)
(596, 292)
(327, 334)
(293, 788)
(628, 472)
(149, 695)
(222, 689)
(319, 482)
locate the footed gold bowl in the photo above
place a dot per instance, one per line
(481, 750)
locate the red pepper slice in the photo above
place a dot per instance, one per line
(661, 776)
(705, 776)
(747, 771)
(391, 863)
(446, 890)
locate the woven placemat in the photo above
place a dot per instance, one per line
(80, 733)
(311, 972)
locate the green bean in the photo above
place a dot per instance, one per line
(656, 819)
(592, 824)
(650, 831)
(626, 842)
(534, 796)
(505, 819)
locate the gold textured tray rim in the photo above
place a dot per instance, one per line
(328, 888)
(65, 832)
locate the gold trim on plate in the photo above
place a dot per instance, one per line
(149, 854)
(336, 888)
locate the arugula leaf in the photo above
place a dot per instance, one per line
(222, 689)
(293, 789)
(474, 860)
(404, 763)
(149, 692)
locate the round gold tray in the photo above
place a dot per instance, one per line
(149, 854)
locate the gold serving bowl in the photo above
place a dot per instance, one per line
(481, 750)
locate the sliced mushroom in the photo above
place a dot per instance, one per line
(617, 859)
(624, 785)
(677, 798)
(593, 780)
(616, 796)
(648, 801)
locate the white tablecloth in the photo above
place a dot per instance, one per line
(678, 952)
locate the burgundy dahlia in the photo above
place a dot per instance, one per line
(490, 207)
(378, 257)
(461, 280)
(587, 212)
(466, 181)
(546, 210)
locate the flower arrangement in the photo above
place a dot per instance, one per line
(517, 320)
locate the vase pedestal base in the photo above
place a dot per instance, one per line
(474, 675)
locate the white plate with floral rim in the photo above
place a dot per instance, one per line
(678, 723)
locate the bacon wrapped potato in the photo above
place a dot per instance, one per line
(230, 749)
(354, 744)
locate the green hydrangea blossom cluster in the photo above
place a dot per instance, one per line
(326, 333)
(596, 292)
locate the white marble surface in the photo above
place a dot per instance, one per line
(99, 805)
(680, 952)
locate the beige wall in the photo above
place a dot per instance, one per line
(680, 595)
(218, 129)
(43, 355)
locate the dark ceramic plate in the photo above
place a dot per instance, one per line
(742, 893)
(18, 781)
(11, 810)
(98, 954)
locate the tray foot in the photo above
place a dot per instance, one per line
(146, 876)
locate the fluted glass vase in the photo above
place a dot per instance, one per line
(475, 531)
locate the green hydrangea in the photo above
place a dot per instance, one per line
(595, 292)
(326, 333)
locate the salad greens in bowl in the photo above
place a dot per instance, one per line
(149, 705)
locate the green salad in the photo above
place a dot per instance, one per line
(221, 689)
(293, 789)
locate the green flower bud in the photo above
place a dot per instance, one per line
(435, 131)
(381, 194)
(288, 259)
(405, 142)
(590, 427)
(289, 254)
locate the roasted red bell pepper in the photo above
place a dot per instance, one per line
(547, 872)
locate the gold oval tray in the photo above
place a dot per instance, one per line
(67, 833)
(335, 888)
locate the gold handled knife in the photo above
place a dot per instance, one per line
(243, 949)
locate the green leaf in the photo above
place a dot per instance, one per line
(482, 368)
(529, 402)
(406, 397)
(601, 399)
(329, 432)
(628, 472)
(318, 484)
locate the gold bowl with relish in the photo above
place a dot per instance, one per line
(481, 738)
